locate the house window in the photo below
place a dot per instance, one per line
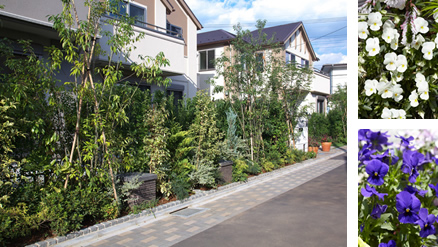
(174, 30)
(135, 11)
(304, 63)
(206, 60)
(320, 106)
(290, 58)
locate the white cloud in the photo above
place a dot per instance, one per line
(231, 12)
(330, 58)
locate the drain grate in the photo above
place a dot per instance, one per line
(188, 212)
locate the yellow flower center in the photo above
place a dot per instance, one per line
(396, 94)
(407, 210)
(375, 174)
(425, 225)
(428, 53)
(386, 90)
(374, 49)
(416, 100)
(363, 32)
(371, 89)
(391, 63)
(375, 23)
(403, 65)
(425, 92)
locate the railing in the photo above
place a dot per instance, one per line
(151, 27)
(298, 65)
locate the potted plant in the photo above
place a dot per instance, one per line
(326, 143)
(313, 145)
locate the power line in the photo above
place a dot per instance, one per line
(330, 33)
(269, 24)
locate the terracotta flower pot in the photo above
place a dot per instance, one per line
(326, 146)
(315, 150)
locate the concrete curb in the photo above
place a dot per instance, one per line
(149, 215)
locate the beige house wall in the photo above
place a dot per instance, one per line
(179, 18)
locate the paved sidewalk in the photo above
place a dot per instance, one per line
(168, 229)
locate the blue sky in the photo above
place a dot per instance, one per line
(325, 21)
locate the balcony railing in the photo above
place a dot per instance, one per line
(171, 30)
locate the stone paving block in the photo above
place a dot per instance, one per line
(173, 238)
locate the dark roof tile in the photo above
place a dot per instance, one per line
(214, 36)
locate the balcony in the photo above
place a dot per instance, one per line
(157, 39)
(320, 83)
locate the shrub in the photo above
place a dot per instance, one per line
(267, 165)
(239, 169)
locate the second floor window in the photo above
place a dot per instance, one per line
(290, 58)
(206, 60)
(133, 10)
(304, 63)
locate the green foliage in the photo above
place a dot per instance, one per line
(318, 126)
(205, 138)
(254, 168)
(66, 210)
(233, 147)
(239, 169)
(268, 165)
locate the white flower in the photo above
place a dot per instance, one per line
(390, 61)
(363, 30)
(424, 95)
(372, 46)
(375, 21)
(388, 34)
(400, 4)
(394, 41)
(413, 98)
(397, 92)
(401, 63)
(394, 113)
(401, 114)
(419, 40)
(436, 39)
(428, 50)
(421, 25)
(370, 87)
(421, 82)
(398, 77)
(388, 24)
(386, 113)
(384, 89)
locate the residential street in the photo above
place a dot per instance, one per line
(305, 205)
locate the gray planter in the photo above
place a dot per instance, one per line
(226, 170)
(147, 189)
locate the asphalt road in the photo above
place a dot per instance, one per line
(313, 214)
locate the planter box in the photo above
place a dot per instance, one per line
(147, 189)
(226, 170)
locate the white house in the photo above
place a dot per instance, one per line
(169, 27)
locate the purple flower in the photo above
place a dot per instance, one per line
(407, 205)
(376, 171)
(411, 160)
(386, 157)
(365, 154)
(391, 243)
(369, 191)
(413, 190)
(426, 221)
(405, 142)
(378, 210)
(363, 134)
(377, 139)
(434, 187)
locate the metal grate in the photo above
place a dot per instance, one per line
(188, 212)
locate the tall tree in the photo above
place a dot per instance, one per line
(80, 48)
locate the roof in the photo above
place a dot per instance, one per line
(327, 67)
(190, 14)
(214, 37)
(282, 33)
